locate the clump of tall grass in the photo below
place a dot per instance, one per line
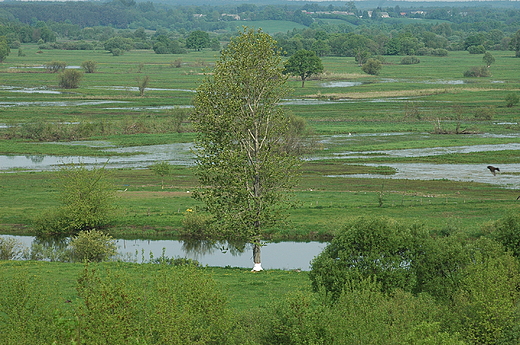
(47, 131)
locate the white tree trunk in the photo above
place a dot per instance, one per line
(256, 258)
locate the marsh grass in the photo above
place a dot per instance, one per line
(435, 90)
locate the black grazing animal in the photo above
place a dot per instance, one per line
(493, 169)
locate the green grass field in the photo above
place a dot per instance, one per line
(415, 99)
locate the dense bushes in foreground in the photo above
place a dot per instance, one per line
(378, 282)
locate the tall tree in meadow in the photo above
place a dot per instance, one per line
(243, 163)
(304, 63)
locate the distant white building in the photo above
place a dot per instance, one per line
(234, 16)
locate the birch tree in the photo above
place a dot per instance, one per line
(243, 166)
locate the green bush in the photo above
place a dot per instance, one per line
(86, 203)
(485, 306)
(477, 72)
(196, 225)
(507, 232)
(92, 246)
(69, 79)
(476, 49)
(178, 305)
(440, 52)
(372, 66)
(31, 311)
(485, 113)
(55, 66)
(410, 60)
(89, 66)
(298, 318)
(376, 247)
(511, 99)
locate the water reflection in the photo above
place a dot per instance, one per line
(281, 255)
(176, 154)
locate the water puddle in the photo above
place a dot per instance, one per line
(429, 151)
(57, 103)
(453, 172)
(161, 107)
(341, 84)
(136, 89)
(341, 101)
(175, 154)
(42, 90)
(281, 255)
(42, 67)
(438, 81)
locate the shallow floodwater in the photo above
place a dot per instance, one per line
(181, 154)
(281, 255)
(6, 104)
(176, 154)
(454, 172)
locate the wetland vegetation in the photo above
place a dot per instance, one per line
(395, 178)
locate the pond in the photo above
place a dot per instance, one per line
(280, 255)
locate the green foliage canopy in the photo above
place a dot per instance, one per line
(242, 129)
(4, 48)
(197, 40)
(304, 63)
(86, 202)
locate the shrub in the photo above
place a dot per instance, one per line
(507, 232)
(440, 52)
(485, 113)
(372, 67)
(477, 72)
(476, 49)
(15, 44)
(511, 99)
(177, 305)
(376, 247)
(296, 319)
(55, 66)
(92, 246)
(142, 84)
(69, 79)
(486, 304)
(89, 66)
(86, 203)
(31, 313)
(11, 249)
(410, 60)
(117, 52)
(196, 225)
(161, 169)
(176, 63)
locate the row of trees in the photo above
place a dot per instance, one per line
(47, 22)
(130, 14)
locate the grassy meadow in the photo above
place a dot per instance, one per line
(420, 100)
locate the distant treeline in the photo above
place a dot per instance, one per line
(342, 30)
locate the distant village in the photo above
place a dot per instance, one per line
(230, 16)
